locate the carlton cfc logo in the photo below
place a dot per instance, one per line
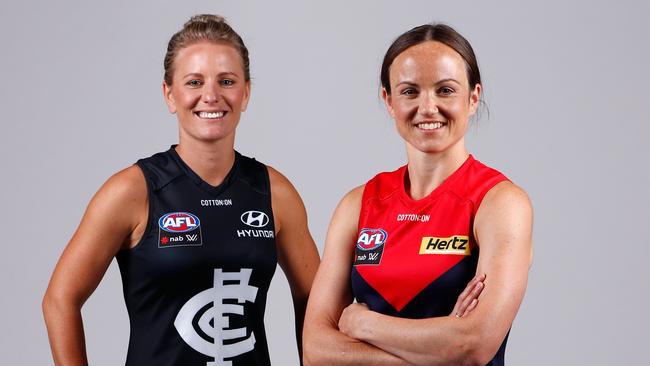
(204, 322)
(370, 239)
(179, 222)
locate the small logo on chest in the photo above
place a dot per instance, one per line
(256, 219)
(457, 245)
(179, 229)
(370, 246)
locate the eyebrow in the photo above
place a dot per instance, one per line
(228, 73)
(441, 81)
(447, 80)
(192, 74)
(220, 74)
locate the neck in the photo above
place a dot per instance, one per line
(210, 161)
(427, 171)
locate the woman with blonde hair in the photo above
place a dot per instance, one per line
(197, 230)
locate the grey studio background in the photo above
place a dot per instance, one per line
(566, 84)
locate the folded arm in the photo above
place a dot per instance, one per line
(503, 227)
(323, 343)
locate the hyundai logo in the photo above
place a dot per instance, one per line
(255, 218)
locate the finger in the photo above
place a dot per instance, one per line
(469, 286)
(472, 299)
(465, 298)
(471, 307)
(463, 295)
(469, 293)
(472, 295)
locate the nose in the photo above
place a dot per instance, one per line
(428, 104)
(210, 93)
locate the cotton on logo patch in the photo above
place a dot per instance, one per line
(178, 222)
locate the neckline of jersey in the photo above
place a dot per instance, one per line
(214, 190)
(439, 190)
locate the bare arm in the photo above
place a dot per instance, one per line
(115, 218)
(297, 253)
(503, 228)
(323, 343)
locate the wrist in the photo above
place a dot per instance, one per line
(365, 325)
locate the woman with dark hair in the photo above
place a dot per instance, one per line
(197, 230)
(407, 242)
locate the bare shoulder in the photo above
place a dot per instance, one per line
(123, 200)
(126, 185)
(346, 215)
(280, 185)
(288, 208)
(506, 196)
(350, 204)
(504, 221)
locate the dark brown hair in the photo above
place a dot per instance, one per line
(432, 32)
(204, 27)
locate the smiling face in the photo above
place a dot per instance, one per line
(208, 91)
(430, 99)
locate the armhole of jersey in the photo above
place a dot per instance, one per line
(267, 179)
(148, 225)
(478, 199)
(367, 191)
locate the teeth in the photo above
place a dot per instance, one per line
(210, 115)
(430, 126)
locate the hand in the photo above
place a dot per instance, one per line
(350, 321)
(468, 299)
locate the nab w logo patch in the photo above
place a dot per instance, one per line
(255, 218)
(370, 246)
(204, 323)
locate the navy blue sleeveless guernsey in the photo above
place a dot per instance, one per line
(414, 257)
(195, 285)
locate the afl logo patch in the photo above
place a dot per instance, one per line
(255, 218)
(178, 222)
(179, 229)
(370, 246)
(371, 239)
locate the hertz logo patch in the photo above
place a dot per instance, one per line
(457, 244)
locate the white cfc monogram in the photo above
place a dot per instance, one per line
(237, 289)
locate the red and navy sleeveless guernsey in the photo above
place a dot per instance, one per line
(414, 257)
(195, 286)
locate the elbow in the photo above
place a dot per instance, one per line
(475, 350)
(477, 358)
(317, 348)
(312, 355)
(48, 305)
(55, 304)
